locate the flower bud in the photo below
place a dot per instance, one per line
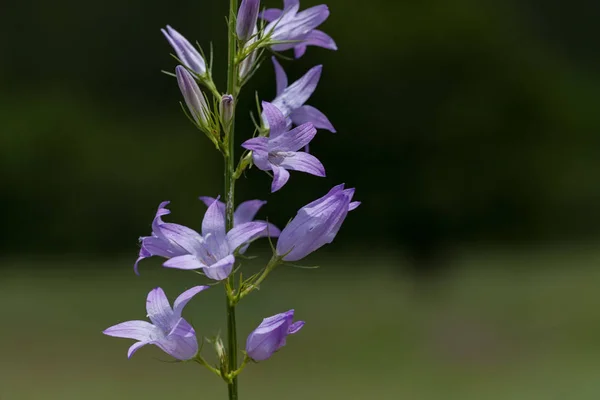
(226, 108)
(315, 224)
(194, 99)
(246, 19)
(271, 335)
(187, 54)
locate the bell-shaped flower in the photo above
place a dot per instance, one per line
(244, 213)
(315, 224)
(168, 330)
(271, 335)
(290, 99)
(279, 152)
(299, 27)
(194, 99)
(246, 19)
(186, 53)
(213, 251)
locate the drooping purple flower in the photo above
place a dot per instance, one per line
(246, 19)
(316, 224)
(244, 213)
(187, 54)
(168, 330)
(290, 99)
(279, 152)
(271, 335)
(194, 99)
(289, 24)
(187, 249)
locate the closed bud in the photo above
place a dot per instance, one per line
(316, 224)
(226, 108)
(194, 99)
(271, 335)
(246, 19)
(187, 54)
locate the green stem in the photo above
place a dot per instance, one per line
(270, 267)
(230, 196)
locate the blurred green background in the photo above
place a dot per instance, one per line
(468, 128)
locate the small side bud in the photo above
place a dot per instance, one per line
(221, 355)
(271, 334)
(246, 19)
(226, 108)
(194, 99)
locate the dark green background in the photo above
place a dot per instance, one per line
(468, 127)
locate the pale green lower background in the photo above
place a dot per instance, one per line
(505, 325)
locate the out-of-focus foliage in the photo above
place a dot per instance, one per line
(457, 120)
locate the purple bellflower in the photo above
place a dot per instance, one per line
(186, 53)
(244, 213)
(290, 99)
(271, 335)
(187, 249)
(246, 19)
(316, 224)
(290, 25)
(194, 99)
(173, 334)
(279, 152)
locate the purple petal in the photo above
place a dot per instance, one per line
(274, 118)
(280, 177)
(280, 76)
(247, 210)
(246, 18)
(315, 224)
(353, 205)
(287, 4)
(271, 14)
(315, 38)
(300, 161)
(221, 269)
(187, 261)
(256, 144)
(159, 310)
(184, 298)
(310, 114)
(135, 347)
(138, 330)
(295, 95)
(293, 140)
(295, 327)
(214, 221)
(299, 50)
(298, 26)
(184, 50)
(181, 341)
(209, 200)
(245, 233)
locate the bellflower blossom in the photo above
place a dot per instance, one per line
(290, 99)
(279, 152)
(271, 335)
(187, 249)
(316, 224)
(187, 54)
(173, 334)
(289, 24)
(244, 213)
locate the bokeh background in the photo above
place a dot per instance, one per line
(468, 127)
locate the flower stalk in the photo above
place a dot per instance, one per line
(229, 155)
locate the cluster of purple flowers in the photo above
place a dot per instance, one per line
(288, 125)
